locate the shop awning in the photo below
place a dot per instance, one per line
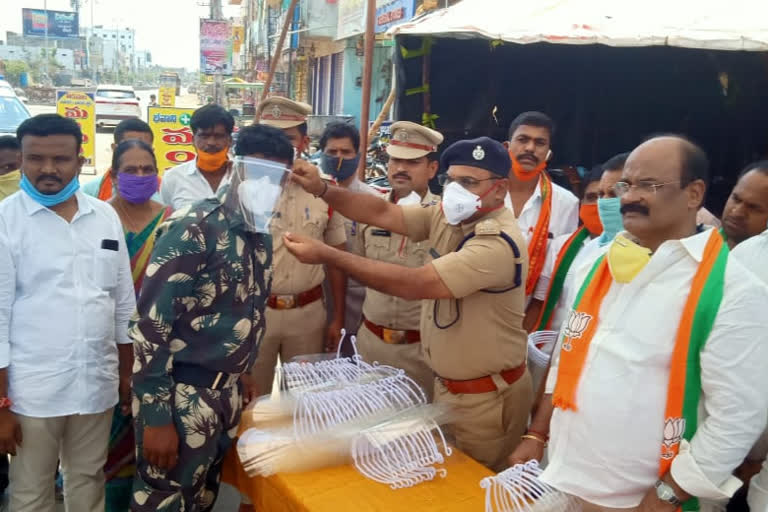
(715, 25)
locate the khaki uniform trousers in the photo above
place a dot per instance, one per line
(290, 333)
(80, 442)
(488, 426)
(406, 356)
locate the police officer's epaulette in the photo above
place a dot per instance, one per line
(488, 227)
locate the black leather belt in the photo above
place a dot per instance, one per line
(200, 377)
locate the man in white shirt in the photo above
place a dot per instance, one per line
(65, 300)
(200, 178)
(746, 212)
(753, 254)
(543, 209)
(660, 385)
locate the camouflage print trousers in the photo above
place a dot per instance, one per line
(206, 421)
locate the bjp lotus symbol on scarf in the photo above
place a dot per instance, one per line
(674, 428)
(575, 327)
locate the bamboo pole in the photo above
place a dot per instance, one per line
(384, 112)
(278, 49)
(365, 110)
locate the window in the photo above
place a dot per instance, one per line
(110, 93)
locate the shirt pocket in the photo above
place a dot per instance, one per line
(313, 222)
(378, 244)
(105, 268)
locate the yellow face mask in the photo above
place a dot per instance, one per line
(626, 259)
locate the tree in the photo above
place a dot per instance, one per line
(13, 71)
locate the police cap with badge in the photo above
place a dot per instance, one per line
(483, 153)
(410, 140)
(283, 113)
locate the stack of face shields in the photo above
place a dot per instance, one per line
(343, 410)
(519, 489)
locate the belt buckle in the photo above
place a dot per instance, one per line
(392, 336)
(285, 301)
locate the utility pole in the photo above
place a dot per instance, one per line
(216, 14)
(45, 8)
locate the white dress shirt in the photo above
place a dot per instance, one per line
(185, 184)
(65, 303)
(589, 252)
(564, 218)
(753, 253)
(607, 452)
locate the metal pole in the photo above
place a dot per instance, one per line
(278, 49)
(45, 7)
(93, 67)
(365, 108)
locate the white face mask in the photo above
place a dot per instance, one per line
(459, 203)
(258, 199)
(410, 199)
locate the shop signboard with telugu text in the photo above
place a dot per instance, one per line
(392, 12)
(81, 108)
(166, 96)
(173, 136)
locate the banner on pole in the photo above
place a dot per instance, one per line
(173, 136)
(81, 108)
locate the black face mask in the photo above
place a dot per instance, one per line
(339, 168)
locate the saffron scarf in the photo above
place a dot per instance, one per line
(565, 259)
(537, 248)
(684, 389)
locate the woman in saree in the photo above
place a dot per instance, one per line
(134, 170)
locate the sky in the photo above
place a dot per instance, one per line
(167, 28)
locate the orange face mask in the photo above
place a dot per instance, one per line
(589, 216)
(523, 175)
(212, 162)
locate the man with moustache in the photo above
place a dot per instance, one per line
(389, 332)
(66, 295)
(201, 178)
(746, 213)
(543, 209)
(471, 290)
(667, 315)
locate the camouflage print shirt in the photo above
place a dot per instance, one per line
(202, 301)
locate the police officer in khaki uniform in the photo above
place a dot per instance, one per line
(389, 332)
(472, 292)
(296, 312)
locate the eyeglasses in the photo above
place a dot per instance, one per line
(643, 187)
(464, 181)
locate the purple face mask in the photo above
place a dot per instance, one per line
(136, 189)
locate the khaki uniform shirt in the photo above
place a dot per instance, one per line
(355, 290)
(479, 333)
(378, 244)
(300, 212)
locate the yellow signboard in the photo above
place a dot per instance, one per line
(80, 107)
(167, 96)
(173, 136)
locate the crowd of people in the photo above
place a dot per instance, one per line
(167, 302)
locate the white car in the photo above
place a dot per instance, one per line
(12, 112)
(115, 103)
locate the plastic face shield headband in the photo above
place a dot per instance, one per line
(259, 187)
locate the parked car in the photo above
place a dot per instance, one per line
(12, 112)
(115, 103)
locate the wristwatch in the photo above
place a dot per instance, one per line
(667, 494)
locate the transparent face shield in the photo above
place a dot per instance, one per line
(259, 184)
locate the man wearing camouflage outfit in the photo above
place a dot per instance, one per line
(200, 319)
